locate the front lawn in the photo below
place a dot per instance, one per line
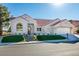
(13, 38)
(50, 37)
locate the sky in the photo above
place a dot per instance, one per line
(45, 10)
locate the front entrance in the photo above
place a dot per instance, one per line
(30, 31)
(30, 28)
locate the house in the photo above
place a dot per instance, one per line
(57, 26)
(76, 25)
(25, 24)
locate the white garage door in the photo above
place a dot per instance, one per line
(62, 30)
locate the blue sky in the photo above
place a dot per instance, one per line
(45, 11)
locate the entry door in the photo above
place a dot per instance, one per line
(30, 28)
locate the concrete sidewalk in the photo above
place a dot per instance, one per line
(34, 42)
(37, 42)
(18, 43)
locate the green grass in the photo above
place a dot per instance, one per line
(13, 38)
(49, 37)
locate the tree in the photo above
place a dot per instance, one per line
(4, 15)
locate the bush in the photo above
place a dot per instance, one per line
(13, 38)
(49, 37)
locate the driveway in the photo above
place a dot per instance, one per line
(71, 37)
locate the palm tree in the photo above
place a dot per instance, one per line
(4, 15)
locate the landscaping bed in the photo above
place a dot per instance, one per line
(50, 37)
(13, 38)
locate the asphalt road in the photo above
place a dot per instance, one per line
(42, 49)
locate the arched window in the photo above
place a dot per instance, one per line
(19, 27)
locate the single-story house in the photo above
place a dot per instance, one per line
(76, 25)
(25, 24)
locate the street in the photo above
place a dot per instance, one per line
(41, 49)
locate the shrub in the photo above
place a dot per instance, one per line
(13, 38)
(49, 37)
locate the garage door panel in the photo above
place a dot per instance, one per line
(62, 30)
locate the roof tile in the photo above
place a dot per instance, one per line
(43, 22)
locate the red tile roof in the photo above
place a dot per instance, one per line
(56, 22)
(75, 22)
(43, 22)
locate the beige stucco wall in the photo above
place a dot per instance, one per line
(65, 24)
(24, 22)
(48, 29)
(14, 23)
(62, 27)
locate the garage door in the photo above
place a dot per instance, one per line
(62, 30)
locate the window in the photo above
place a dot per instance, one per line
(38, 29)
(19, 27)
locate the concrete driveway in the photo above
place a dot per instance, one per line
(71, 38)
(41, 49)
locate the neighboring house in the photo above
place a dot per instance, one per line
(76, 25)
(25, 24)
(58, 27)
(62, 27)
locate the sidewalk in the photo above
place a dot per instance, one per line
(38, 42)
(18, 43)
(35, 42)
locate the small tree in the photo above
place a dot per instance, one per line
(4, 15)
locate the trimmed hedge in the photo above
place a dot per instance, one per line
(50, 37)
(13, 38)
